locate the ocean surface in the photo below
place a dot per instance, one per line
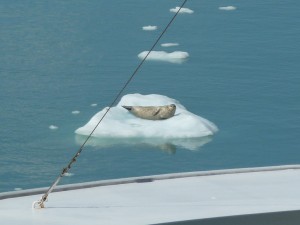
(62, 61)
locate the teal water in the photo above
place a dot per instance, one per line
(60, 56)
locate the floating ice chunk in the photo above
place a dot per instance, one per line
(174, 57)
(183, 129)
(53, 127)
(75, 112)
(18, 189)
(150, 28)
(94, 104)
(182, 10)
(169, 44)
(68, 174)
(227, 8)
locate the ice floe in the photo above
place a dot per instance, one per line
(169, 44)
(184, 129)
(149, 28)
(94, 104)
(227, 8)
(182, 10)
(174, 57)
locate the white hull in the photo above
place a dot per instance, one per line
(159, 199)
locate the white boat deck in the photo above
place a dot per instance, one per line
(160, 199)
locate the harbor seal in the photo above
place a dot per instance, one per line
(152, 112)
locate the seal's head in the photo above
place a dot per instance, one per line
(172, 108)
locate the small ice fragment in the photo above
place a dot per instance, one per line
(169, 44)
(53, 127)
(75, 112)
(227, 8)
(182, 10)
(18, 189)
(94, 104)
(68, 174)
(149, 28)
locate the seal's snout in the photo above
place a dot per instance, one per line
(127, 107)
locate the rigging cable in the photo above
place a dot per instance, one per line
(40, 203)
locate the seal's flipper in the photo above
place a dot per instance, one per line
(127, 107)
(156, 112)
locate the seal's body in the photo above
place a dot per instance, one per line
(152, 112)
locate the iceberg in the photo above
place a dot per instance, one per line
(182, 10)
(173, 57)
(184, 129)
